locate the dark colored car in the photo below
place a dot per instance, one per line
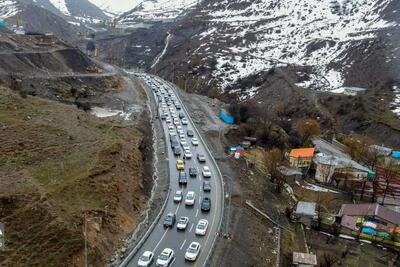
(178, 107)
(163, 116)
(190, 133)
(175, 144)
(181, 115)
(206, 204)
(206, 186)
(192, 172)
(173, 138)
(177, 151)
(169, 220)
(182, 178)
(201, 158)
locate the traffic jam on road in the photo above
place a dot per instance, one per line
(193, 182)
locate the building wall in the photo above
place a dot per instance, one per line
(324, 172)
(300, 162)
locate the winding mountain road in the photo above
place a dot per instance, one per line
(178, 241)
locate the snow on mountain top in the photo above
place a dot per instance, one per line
(61, 5)
(158, 10)
(116, 6)
(8, 8)
(255, 36)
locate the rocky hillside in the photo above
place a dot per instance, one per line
(61, 166)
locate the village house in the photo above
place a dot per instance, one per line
(329, 167)
(371, 220)
(305, 213)
(301, 157)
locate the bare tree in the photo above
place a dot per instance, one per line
(306, 128)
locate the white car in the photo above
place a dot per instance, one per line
(182, 136)
(182, 223)
(187, 154)
(178, 196)
(206, 172)
(184, 121)
(168, 120)
(176, 122)
(165, 258)
(172, 133)
(201, 227)
(178, 127)
(192, 251)
(146, 259)
(195, 142)
(190, 198)
(183, 142)
(180, 131)
(186, 147)
(171, 127)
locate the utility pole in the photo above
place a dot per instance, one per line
(85, 234)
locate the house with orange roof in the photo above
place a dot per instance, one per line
(301, 157)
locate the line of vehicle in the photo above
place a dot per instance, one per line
(220, 175)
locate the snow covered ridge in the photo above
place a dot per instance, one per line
(8, 8)
(61, 5)
(396, 101)
(248, 37)
(156, 10)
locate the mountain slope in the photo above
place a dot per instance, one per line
(156, 10)
(243, 38)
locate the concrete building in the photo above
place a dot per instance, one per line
(301, 157)
(329, 167)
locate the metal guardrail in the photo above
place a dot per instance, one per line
(143, 239)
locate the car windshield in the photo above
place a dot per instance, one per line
(201, 226)
(178, 194)
(191, 250)
(163, 257)
(144, 258)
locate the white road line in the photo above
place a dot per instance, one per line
(177, 208)
(159, 242)
(199, 199)
(184, 241)
(191, 227)
(197, 212)
(200, 188)
(172, 262)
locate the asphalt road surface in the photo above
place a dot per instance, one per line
(179, 241)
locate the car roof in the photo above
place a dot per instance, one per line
(179, 161)
(147, 253)
(190, 193)
(206, 168)
(166, 251)
(179, 191)
(194, 244)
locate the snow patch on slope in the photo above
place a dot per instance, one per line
(262, 34)
(396, 101)
(157, 10)
(8, 8)
(61, 5)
